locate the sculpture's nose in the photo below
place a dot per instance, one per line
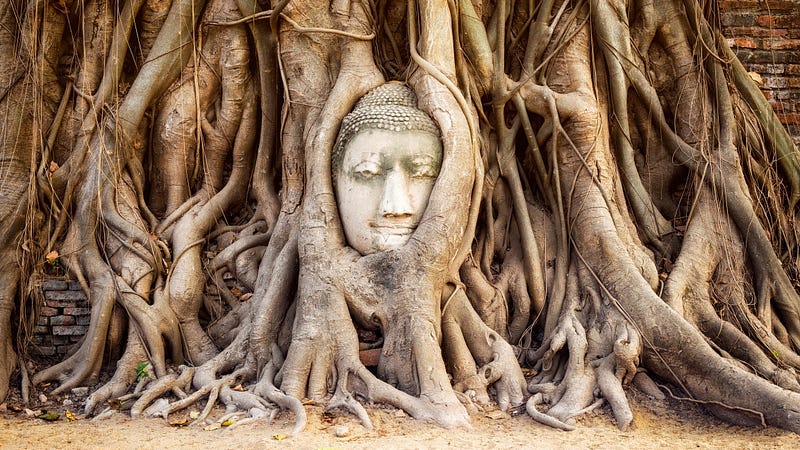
(396, 200)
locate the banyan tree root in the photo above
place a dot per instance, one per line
(596, 190)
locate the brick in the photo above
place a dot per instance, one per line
(69, 330)
(781, 44)
(83, 320)
(738, 20)
(750, 31)
(779, 20)
(44, 351)
(762, 5)
(48, 311)
(776, 82)
(55, 285)
(62, 340)
(768, 69)
(766, 56)
(729, 5)
(73, 296)
(741, 42)
(42, 340)
(62, 320)
(41, 330)
(72, 311)
(792, 118)
(75, 286)
(42, 321)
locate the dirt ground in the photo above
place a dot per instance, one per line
(658, 424)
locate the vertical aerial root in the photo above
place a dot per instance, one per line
(124, 375)
(611, 389)
(266, 389)
(154, 324)
(343, 398)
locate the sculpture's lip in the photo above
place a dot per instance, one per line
(399, 230)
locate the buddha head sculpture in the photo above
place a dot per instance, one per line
(384, 165)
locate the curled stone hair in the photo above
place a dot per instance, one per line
(391, 107)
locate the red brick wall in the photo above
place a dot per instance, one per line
(766, 36)
(63, 318)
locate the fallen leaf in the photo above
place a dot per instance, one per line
(496, 414)
(15, 408)
(212, 427)
(279, 437)
(228, 422)
(236, 292)
(238, 388)
(179, 423)
(53, 166)
(50, 417)
(756, 77)
(246, 297)
(194, 414)
(51, 257)
(70, 416)
(309, 403)
(114, 403)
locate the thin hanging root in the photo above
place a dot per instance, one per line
(161, 387)
(343, 398)
(536, 400)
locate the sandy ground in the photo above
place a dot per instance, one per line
(658, 424)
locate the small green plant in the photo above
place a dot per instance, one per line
(141, 371)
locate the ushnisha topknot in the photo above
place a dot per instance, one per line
(390, 106)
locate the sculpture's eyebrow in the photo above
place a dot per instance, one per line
(371, 157)
(424, 158)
